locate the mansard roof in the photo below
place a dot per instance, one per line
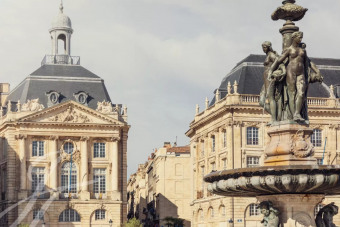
(66, 80)
(249, 75)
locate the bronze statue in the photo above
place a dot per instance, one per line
(324, 218)
(300, 72)
(272, 88)
(270, 214)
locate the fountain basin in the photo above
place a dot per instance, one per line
(299, 179)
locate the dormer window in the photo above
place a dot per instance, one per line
(53, 98)
(81, 97)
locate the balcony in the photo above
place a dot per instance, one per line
(60, 59)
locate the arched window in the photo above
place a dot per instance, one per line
(316, 138)
(200, 215)
(69, 215)
(222, 210)
(211, 212)
(68, 172)
(99, 214)
(252, 136)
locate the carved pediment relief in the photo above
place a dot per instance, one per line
(71, 116)
(70, 112)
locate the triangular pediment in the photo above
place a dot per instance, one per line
(70, 112)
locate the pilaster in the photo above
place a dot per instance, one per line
(85, 194)
(53, 153)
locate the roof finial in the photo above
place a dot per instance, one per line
(61, 7)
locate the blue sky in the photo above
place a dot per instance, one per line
(159, 57)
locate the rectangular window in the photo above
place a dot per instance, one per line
(224, 163)
(38, 179)
(319, 161)
(202, 175)
(99, 150)
(213, 143)
(254, 210)
(253, 161)
(99, 180)
(224, 139)
(213, 166)
(202, 148)
(38, 215)
(100, 215)
(252, 136)
(316, 138)
(38, 148)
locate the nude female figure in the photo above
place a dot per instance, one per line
(270, 86)
(296, 78)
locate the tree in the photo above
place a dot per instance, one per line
(133, 222)
(175, 222)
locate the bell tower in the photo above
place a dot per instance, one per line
(61, 33)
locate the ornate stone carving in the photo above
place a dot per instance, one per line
(71, 116)
(325, 216)
(303, 219)
(301, 145)
(270, 214)
(84, 138)
(115, 139)
(104, 107)
(20, 136)
(53, 137)
(32, 105)
(67, 157)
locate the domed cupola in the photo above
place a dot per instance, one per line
(61, 30)
(61, 21)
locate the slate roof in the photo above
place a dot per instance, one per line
(249, 75)
(65, 79)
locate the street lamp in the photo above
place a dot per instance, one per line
(110, 222)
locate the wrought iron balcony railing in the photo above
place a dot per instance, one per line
(61, 59)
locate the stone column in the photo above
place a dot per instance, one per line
(12, 170)
(85, 194)
(237, 127)
(23, 170)
(115, 164)
(22, 151)
(53, 153)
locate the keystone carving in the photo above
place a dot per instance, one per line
(67, 157)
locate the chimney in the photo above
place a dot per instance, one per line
(167, 145)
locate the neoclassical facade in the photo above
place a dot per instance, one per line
(161, 187)
(231, 132)
(63, 145)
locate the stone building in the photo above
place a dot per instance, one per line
(231, 133)
(161, 187)
(63, 144)
(4, 90)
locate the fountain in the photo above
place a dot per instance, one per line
(290, 184)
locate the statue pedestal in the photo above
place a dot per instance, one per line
(289, 145)
(296, 210)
